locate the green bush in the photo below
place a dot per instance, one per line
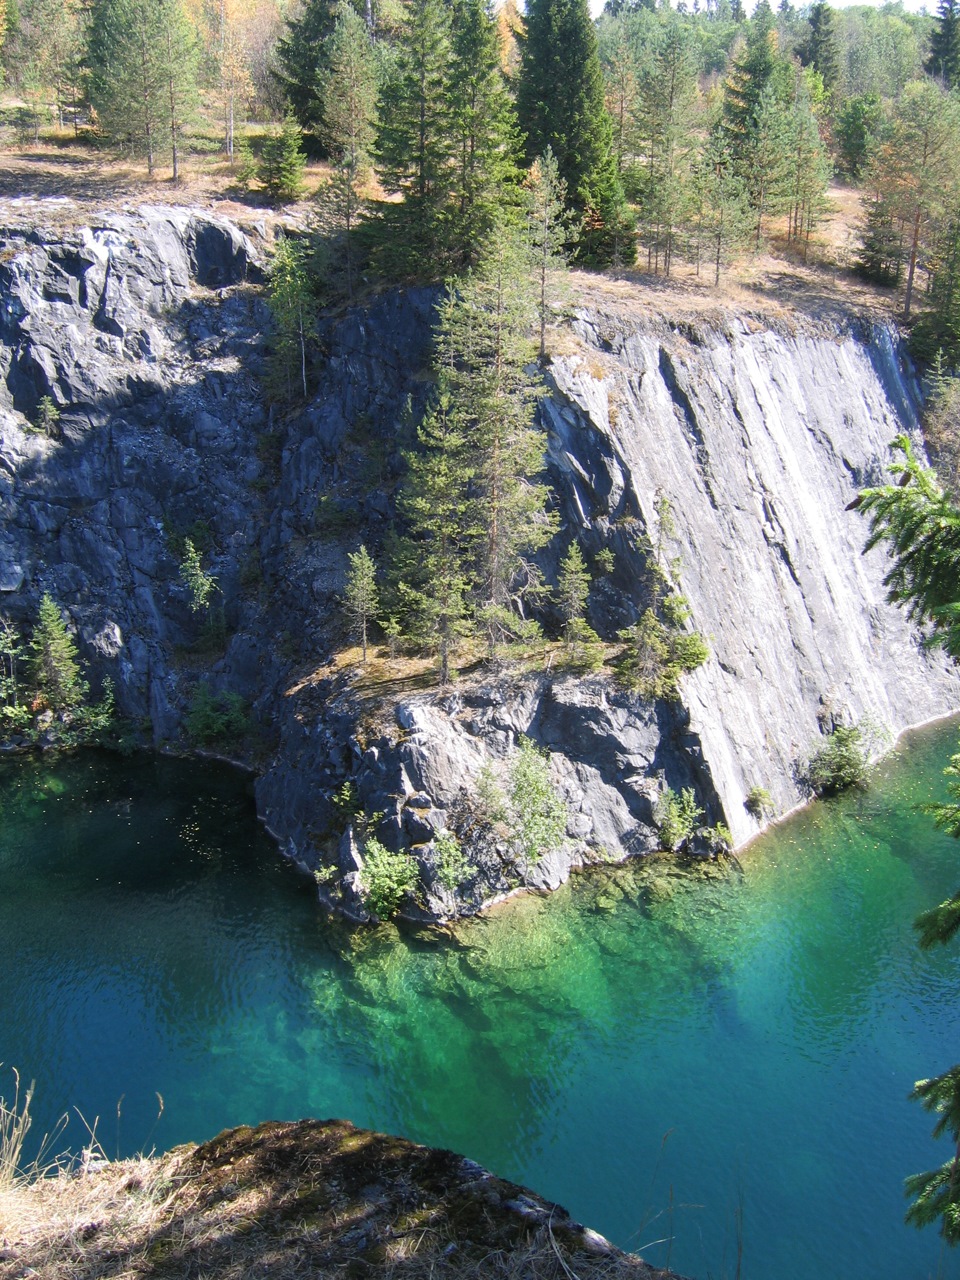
(215, 716)
(528, 807)
(583, 648)
(453, 867)
(539, 814)
(676, 817)
(758, 803)
(656, 655)
(840, 763)
(386, 878)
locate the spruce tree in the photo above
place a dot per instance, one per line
(414, 146)
(441, 514)
(560, 104)
(823, 52)
(127, 81)
(55, 661)
(301, 66)
(485, 177)
(484, 342)
(282, 163)
(349, 91)
(291, 311)
(758, 70)
(944, 59)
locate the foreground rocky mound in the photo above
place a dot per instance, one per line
(291, 1201)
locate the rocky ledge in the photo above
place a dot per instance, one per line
(294, 1201)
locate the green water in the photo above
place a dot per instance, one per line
(659, 1053)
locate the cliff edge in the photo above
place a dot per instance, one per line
(295, 1201)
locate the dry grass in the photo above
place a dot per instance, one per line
(317, 1198)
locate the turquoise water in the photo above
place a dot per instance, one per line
(663, 1054)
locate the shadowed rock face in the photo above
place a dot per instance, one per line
(146, 335)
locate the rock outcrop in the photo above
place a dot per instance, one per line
(298, 1200)
(148, 337)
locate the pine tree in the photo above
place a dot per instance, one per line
(918, 167)
(944, 59)
(881, 245)
(360, 593)
(414, 146)
(668, 93)
(937, 333)
(721, 219)
(485, 178)
(549, 232)
(763, 161)
(560, 104)
(55, 661)
(282, 163)
(808, 167)
(179, 59)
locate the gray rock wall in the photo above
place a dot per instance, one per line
(759, 440)
(148, 336)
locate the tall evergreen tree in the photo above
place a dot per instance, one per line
(757, 70)
(485, 173)
(414, 148)
(920, 526)
(917, 169)
(549, 233)
(360, 593)
(808, 166)
(823, 49)
(441, 514)
(349, 90)
(179, 58)
(665, 108)
(282, 163)
(721, 213)
(484, 340)
(300, 62)
(127, 81)
(560, 104)
(291, 312)
(55, 662)
(944, 58)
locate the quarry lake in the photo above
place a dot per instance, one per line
(668, 1055)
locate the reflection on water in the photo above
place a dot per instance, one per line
(657, 1050)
